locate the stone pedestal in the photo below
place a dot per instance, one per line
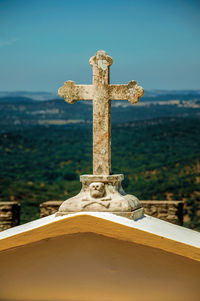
(170, 211)
(103, 193)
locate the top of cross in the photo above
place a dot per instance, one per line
(101, 59)
(101, 63)
(101, 92)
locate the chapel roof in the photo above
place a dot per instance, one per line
(146, 231)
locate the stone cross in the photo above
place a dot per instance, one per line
(102, 191)
(101, 92)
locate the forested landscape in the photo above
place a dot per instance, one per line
(160, 159)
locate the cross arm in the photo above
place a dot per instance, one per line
(131, 92)
(72, 92)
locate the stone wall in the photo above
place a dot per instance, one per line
(170, 211)
(9, 215)
(50, 207)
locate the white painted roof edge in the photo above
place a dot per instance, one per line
(147, 223)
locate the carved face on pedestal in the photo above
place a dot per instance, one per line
(97, 190)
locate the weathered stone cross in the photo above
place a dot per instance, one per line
(101, 92)
(102, 191)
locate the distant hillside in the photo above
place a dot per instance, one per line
(18, 112)
(16, 100)
(160, 159)
(33, 95)
(150, 94)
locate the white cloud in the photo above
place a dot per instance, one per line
(7, 42)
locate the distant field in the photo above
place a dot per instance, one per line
(19, 112)
(160, 159)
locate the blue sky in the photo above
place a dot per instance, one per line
(45, 42)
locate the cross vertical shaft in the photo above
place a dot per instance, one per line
(101, 114)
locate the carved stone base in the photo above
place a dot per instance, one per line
(103, 193)
(133, 215)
